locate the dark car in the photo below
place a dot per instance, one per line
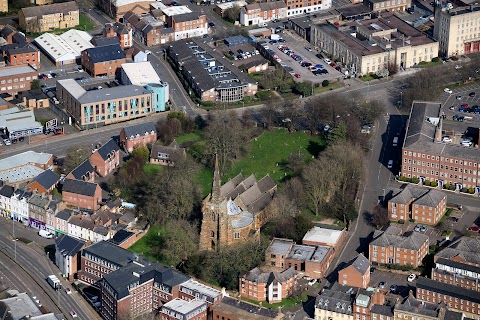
(324, 71)
(471, 94)
(53, 74)
(211, 24)
(240, 51)
(80, 79)
(14, 140)
(458, 118)
(319, 56)
(393, 288)
(21, 139)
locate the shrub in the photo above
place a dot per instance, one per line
(422, 62)
(447, 186)
(401, 221)
(471, 190)
(427, 183)
(403, 178)
(436, 59)
(434, 184)
(325, 83)
(412, 220)
(454, 58)
(464, 190)
(415, 180)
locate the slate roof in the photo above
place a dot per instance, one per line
(412, 240)
(244, 310)
(82, 170)
(140, 129)
(266, 6)
(336, 301)
(360, 263)
(108, 149)
(382, 309)
(47, 179)
(64, 215)
(19, 50)
(68, 246)
(256, 275)
(458, 265)
(420, 133)
(121, 236)
(465, 248)
(7, 30)
(421, 196)
(412, 305)
(183, 17)
(106, 53)
(168, 150)
(7, 191)
(105, 41)
(79, 187)
(448, 289)
(63, 7)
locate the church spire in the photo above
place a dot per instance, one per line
(216, 181)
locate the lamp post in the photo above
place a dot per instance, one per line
(14, 239)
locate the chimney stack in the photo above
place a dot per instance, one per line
(438, 132)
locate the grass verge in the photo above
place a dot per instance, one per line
(147, 245)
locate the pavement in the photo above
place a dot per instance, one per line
(27, 267)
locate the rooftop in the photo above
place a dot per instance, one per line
(47, 179)
(280, 246)
(420, 196)
(174, 10)
(140, 73)
(19, 307)
(323, 236)
(140, 129)
(412, 305)
(79, 187)
(465, 248)
(244, 310)
(360, 263)
(411, 240)
(15, 70)
(448, 289)
(183, 307)
(301, 252)
(38, 11)
(21, 166)
(67, 245)
(335, 301)
(105, 53)
(420, 133)
(110, 252)
(201, 288)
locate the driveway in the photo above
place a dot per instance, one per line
(403, 286)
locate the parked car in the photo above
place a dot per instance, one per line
(382, 284)
(319, 66)
(393, 288)
(80, 79)
(327, 61)
(312, 282)
(467, 143)
(456, 117)
(390, 164)
(471, 94)
(308, 49)
(474, 229)
(297, 76)
(411, 277)
(211, 24)
(447, 139)
(459, 97)
(447, 90)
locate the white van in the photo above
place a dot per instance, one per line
(395, 141)
(45, 234)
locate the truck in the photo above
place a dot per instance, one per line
(274, 36)
(45, 234)
(54, 282)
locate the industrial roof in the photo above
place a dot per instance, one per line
(64, 47)
(174, 10)
(20, 306)
(21, 166)
(14, 70)
(140, 73)
(323, 235)
(183, 307)
(19, 121)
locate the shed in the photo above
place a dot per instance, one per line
(234, 41)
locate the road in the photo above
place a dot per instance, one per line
(30, 270)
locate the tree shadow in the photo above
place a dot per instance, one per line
(314, 148)
(50, 252)
(309, 306)
(333, 276)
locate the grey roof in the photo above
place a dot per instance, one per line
(140, 272)
(337, 301)
(360, 263)
(280, 246)
(83, 170)
(448, 289)
(420, 133)
(81, 221)
(108, 149)
(106, 53)
(412, 240)
(256, 275)
(230, 305)
(7, 30)
(21, 306)
(301, 252)
(183, 17)
(382, 309)
(25, 49)
(166, 150)
(140, 129)
(110, 252)
(64, 215)
(37, 11)
(119, 92)
(68, 246)
(7, 191)
(421, 196)
(47, 179)
(465, 248)
(412, 305)
(121, 236)
(79, 187)
(105, 41)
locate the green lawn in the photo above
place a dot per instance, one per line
(85, 23)
(368, 77)
(150, 168)
(331, 86)
(146, 246)
(205, 179)
(188, 137)
(285, 304)
(425, 64)
(269, 153)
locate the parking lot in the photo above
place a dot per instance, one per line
(298, 45)
(403, 286)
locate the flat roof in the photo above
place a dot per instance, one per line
(140, 73)
(120, 3)
(323, 235)
(73, 87)
(67, 46)
(17, 121)
(184, 307)
(14, 70)
(228, 5)
(174, 10)
(199, 287)
(280, 246)
(21, 306)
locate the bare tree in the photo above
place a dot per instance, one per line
(180, 241)
(75, 156)
(380, 216)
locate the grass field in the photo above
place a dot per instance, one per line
(145, 246)
(205, 179)
(150, 168)
(85, 23)
(188, 137)
(269, 153)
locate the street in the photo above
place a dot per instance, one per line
(27, 267)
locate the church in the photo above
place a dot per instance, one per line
(235, 212)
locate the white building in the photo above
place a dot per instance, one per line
(141, 74)
(19, 206)
(24, 167)
(66, 254)
(263, 12)
(65, 48)
(296, 8)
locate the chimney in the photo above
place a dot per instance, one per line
(438, 133)
(410, 293)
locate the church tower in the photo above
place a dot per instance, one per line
(213, 221)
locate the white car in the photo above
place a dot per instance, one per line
(148, 52)
(390, 164)
(327, 60)
(68, 291)
(447, 139)
(312, 282)
(467, 143)
(411, 277)
(73, 314)
(446, 90)
(49, 75)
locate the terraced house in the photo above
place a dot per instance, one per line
(423, 205)
(63, 15)
(393, 247)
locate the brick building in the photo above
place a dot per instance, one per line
(44, 183)
(262, 12)
(312, 261)
(106, 159)
(14, 79)
(356, 273)
(459, 264)
(82, 194)
(165, 155)
(188, 25)
(234, 212)
(84, 172)
(305, 7)
(63, 15)
(382, 312)
(393, 247)
(67, 255)
(23, 56)
(118, 9)
(411, 308)
(120, 31)
(267, 286)
(103, 61)
(426, 157)
(423, 205)
(179, 309)
(277, 251)
(149, 34)
(319, 236)
(232, 309)
(139, 135)
(456, 298)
